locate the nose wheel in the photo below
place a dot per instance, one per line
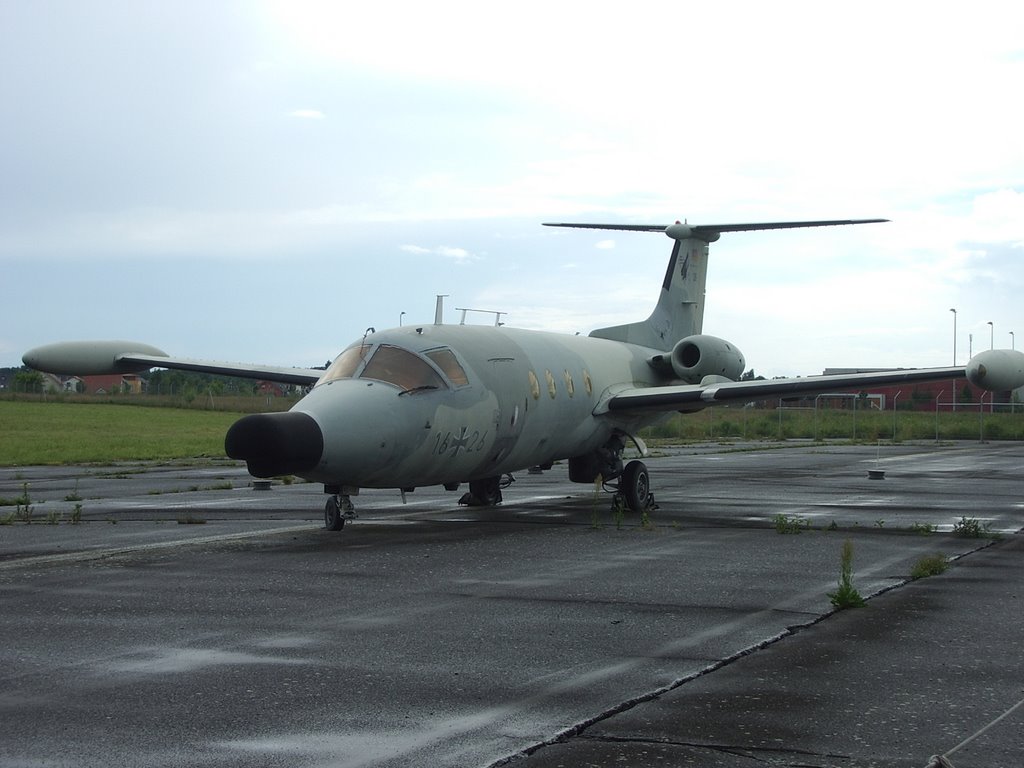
(337, 510)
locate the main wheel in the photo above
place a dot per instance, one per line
(635, 486)
(487, 492)
(333, 519)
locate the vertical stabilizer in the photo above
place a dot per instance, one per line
(680, 309)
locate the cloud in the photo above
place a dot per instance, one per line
(459, 255)
(307, 114)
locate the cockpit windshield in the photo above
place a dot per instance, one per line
(445, 360)
(346, 364)
(401, 368)
(393, 365)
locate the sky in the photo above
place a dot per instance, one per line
(263, 181)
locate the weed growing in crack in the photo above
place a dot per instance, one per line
(846, 596)
(929, 565)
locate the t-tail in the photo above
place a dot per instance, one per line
(680, 309)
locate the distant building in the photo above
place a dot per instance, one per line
(271, 389)
(120, 383)
(918, 396)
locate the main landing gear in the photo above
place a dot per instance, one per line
(630, 484)
(486, 492)
(338, 509)
(633, 491)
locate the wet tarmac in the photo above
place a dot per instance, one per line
(190, 620)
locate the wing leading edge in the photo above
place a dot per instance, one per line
(91, 358)
(263, 372)
(685, 396)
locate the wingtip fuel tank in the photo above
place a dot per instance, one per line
(89, 358)
(997, 370)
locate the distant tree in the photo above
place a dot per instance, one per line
(28, 381)
(749, 376)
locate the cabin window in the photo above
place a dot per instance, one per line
(402, 368)
(346, 364)
(587, 383)
(551, 383)
(534, 385)
(445, 360)
(570, 387)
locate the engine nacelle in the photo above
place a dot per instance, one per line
(695, 357)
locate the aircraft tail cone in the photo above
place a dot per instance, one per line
(276, 443)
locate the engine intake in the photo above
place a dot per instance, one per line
(695, 357)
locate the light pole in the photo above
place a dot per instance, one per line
(953, 310)
(1013, 341)
(952, 388)
(992, 335)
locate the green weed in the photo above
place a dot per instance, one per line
(971, 528)
(846, 596)
(74, 495)
(23, 506)
(785, 524)
(645, 521)
(929, 565)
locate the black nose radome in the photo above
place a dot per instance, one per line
(276, 443)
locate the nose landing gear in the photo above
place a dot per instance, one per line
(338, 509)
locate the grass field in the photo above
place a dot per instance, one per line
(966, 423)
(78, 433)
(40, 432)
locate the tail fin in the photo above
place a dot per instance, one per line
(680, 309)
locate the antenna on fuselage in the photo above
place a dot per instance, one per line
(439, 309)
(497, 315)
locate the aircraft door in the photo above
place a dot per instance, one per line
(510, 408)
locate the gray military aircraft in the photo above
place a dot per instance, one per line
(437, 404)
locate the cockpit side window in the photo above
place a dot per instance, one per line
(445, 360)
(401, 368)
(346, 364)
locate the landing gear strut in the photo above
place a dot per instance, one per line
(337, 510)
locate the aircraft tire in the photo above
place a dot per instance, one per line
(635, 486)
(486, 492)
(333, 519)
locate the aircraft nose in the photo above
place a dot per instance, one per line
(276, 443)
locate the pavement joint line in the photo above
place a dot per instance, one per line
(102, 554)
(973, 736)
(578, 729)
(728, 749)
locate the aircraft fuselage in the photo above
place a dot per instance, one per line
(526, 398)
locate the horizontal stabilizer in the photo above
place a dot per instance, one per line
(710, 232)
